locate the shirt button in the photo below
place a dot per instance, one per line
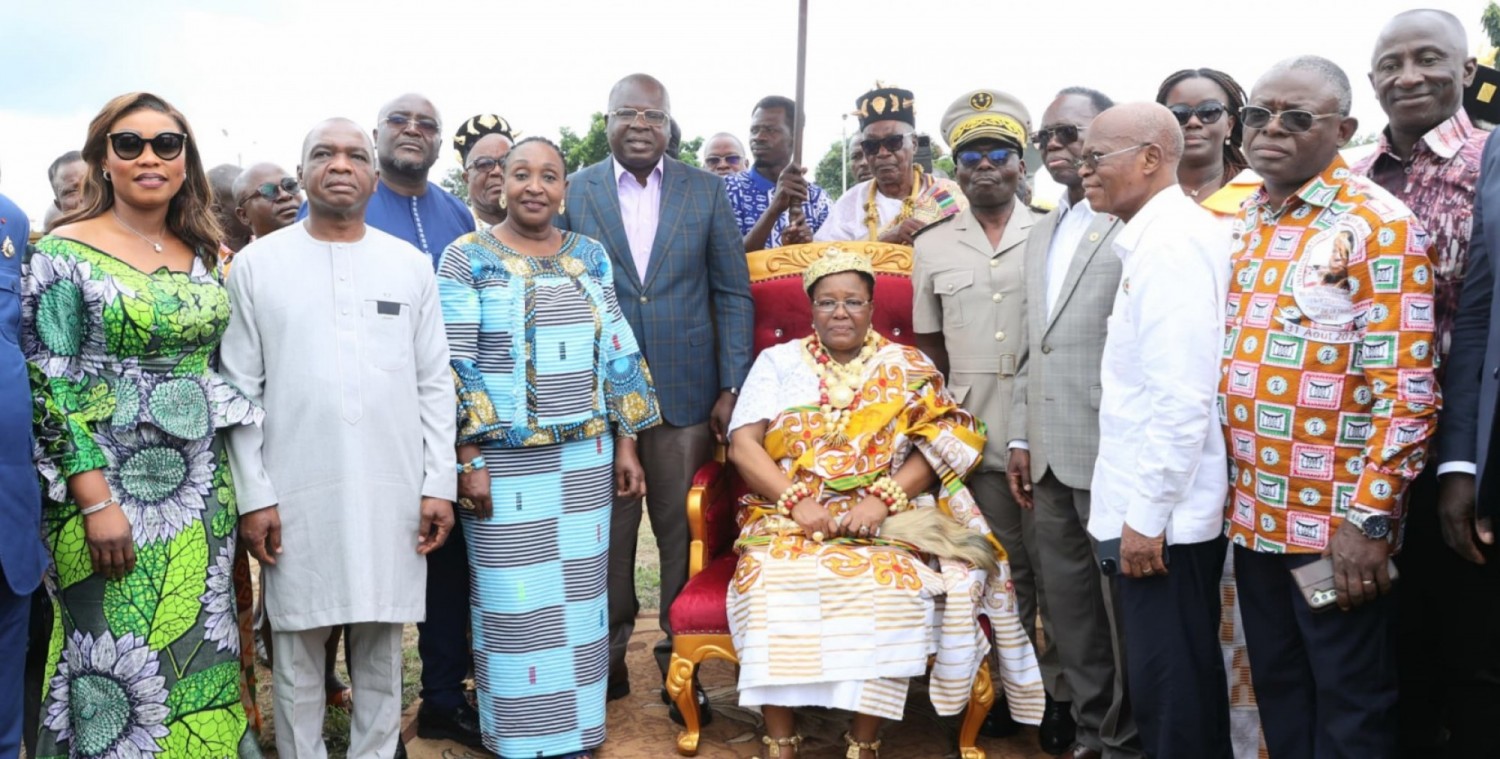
(346, 312)
(1046, 349)
(999, 335)
(997, 297)
(644, 299)
(994, 262)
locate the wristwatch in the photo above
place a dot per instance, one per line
(1372, 526)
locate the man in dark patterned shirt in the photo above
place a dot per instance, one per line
(1429, 158)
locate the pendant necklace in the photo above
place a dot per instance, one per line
(154, 245)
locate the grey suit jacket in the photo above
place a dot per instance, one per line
(1057, 387)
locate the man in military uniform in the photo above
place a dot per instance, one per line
(969, 308)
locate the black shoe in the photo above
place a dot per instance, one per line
(617, 689)
(705, 714)
(1057, 731)
(460, 725)
(998, 723)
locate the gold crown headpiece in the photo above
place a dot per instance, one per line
(835, 261)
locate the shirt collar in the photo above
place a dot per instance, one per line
(1320, 190)
(1443, 140)
(656, 173)
(1159, 205)
(1064, 207)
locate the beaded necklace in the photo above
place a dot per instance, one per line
(908, 205)
(838, 383)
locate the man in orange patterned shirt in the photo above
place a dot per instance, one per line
(1328, 400)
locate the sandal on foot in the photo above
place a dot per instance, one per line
(857, 746)
(774, 745)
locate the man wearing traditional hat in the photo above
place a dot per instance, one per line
(482, 143)
(900, 199)
(969, 307)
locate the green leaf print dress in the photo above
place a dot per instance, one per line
(123, 372)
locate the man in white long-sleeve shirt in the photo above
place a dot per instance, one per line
(337, 332)
(1162, 476)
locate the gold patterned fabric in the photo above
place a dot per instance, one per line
(845, 622)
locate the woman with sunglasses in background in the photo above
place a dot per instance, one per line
(122, 317)
(1213, 170)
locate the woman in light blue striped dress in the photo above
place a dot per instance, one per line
(552, 391)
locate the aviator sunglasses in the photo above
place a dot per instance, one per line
(129, 145)
(714, 160)
(1296, 120)
(971, 158)
(269, 190)
(1066, 134)
(1207, 112)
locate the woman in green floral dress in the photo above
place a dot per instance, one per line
(123, 313)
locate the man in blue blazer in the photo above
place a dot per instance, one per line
(1468, 454)
(22, 556)
(681, 279)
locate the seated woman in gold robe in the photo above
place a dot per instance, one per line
(833, 605)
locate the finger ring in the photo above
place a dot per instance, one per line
(466, 504)
(817, 536)
(864, 531)
(1369, 582)
(1148, 571)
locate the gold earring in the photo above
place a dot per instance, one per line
(562, 208)
(502, 201)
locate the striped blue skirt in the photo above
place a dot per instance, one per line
(541, 619)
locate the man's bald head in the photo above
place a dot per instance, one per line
(1134, 149)
(1447, 29)
(407, 103)
(407, 137)
(337, 125)
(643, 84)
(221, 182)
(1335, 81)
(261, 213)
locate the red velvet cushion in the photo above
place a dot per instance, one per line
(783, 311)
(700, 609)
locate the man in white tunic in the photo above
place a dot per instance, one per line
(337, 332)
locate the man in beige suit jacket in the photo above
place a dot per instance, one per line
(1071, 278)
(968, 311)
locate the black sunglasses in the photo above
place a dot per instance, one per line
(398, 122)
(891, 143)
(486, 164)
(1207, 112)
(1066, 134)
(269, 190)
(1297, 120)
(971, 158)
(129, 145)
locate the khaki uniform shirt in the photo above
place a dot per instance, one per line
(975, 295)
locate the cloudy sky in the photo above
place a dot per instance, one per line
(253, 76)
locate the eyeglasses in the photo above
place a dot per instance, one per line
(1296, 120)
(1092, 158)
(486, 164)
(891, 143)
(851, 305)
(1207, 112)
(1066, 134)
(971, 158)
(399, 122)
(714, 160)
(652, 116)
(269, 190)
(129, 145)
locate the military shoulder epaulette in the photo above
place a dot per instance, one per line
(933, 225)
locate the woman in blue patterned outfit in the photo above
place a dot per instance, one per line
(552, 390)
